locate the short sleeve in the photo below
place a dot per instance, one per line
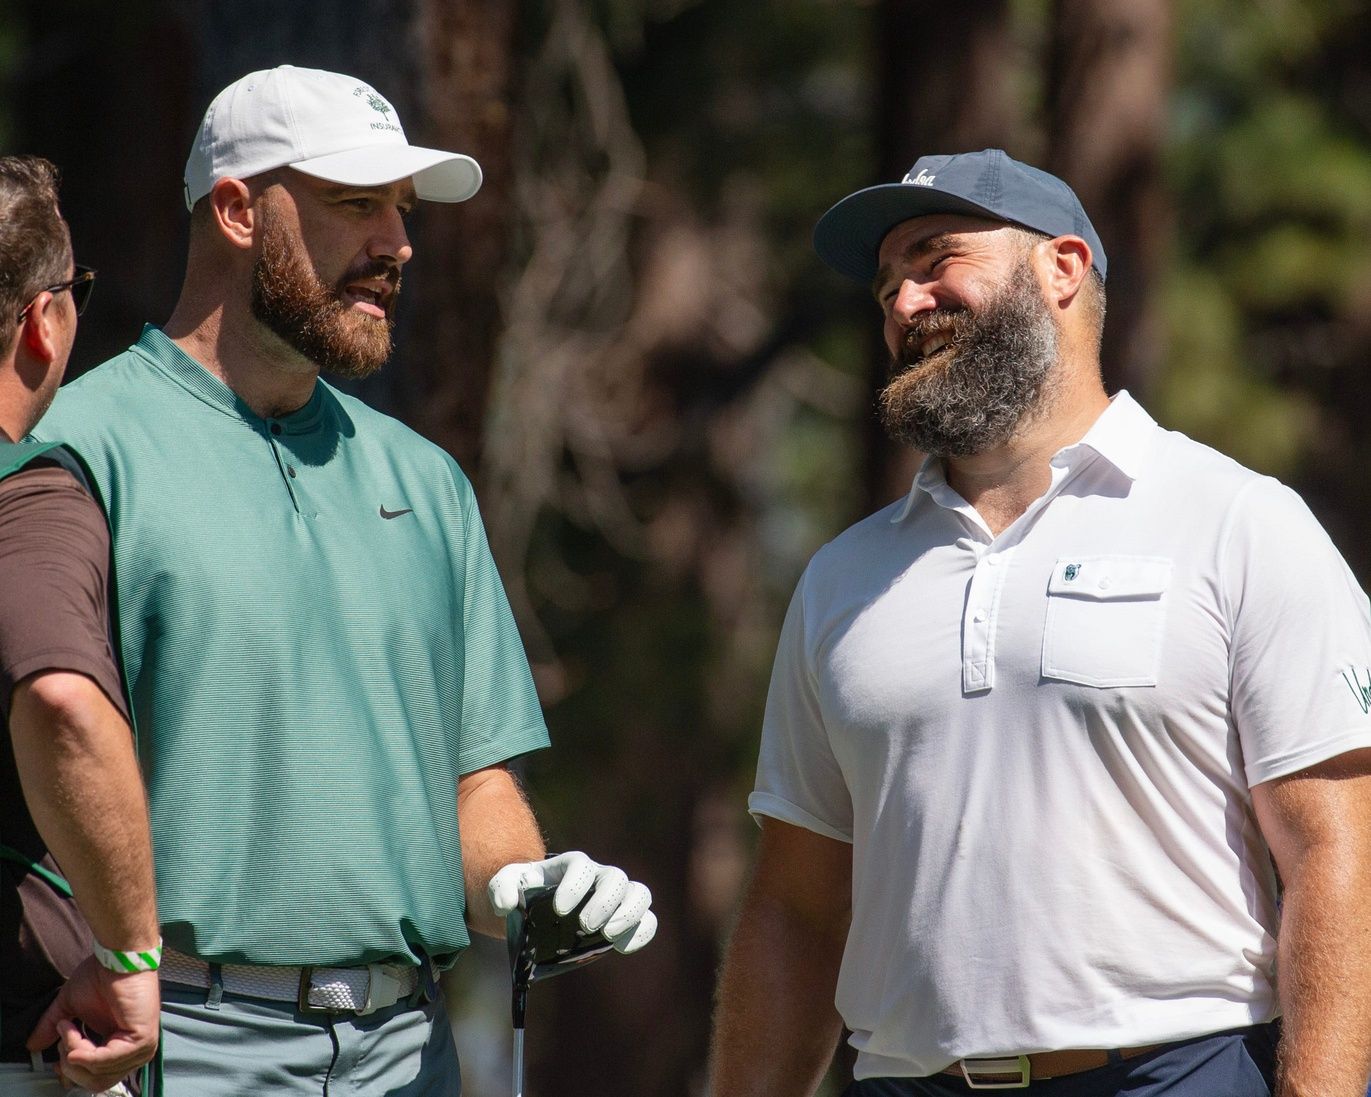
(1300, 655)
(799, 780)
(54, 582)
(501, 716)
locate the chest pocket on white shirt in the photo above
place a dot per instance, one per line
(1105, 620)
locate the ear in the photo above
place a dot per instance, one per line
(234, 212)
(1068, 264)
(39, 335)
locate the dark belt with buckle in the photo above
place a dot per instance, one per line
(1016, 1071)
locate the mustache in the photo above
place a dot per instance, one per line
(955, 322)
(371, 268)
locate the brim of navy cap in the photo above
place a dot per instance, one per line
(848, 237)
(438, 176)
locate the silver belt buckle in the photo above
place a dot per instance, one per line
(1018, 1065)
(302, 1002)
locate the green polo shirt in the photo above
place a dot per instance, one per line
(317, 645)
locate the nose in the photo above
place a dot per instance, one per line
(912, 299)
(391, 243)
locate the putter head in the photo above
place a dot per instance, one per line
(542, 945)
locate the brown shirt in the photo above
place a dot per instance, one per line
(54, 615)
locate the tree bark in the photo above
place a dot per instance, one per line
(1108, 77)
(942, 88)
(464, 91)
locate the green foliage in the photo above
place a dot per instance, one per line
(1207, 393)
(1271, 177)
(777, 92)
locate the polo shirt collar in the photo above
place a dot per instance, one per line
(1120, 435)
(157, 348)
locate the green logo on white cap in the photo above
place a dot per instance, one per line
(375, 101)
(380, 106)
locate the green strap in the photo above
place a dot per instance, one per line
(8, 854)
(150, 1082)
(150, 1074)
(15, 455)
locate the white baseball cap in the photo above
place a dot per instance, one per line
(324, 124)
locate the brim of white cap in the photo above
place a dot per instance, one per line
(438, 176)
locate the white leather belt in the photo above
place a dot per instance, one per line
(359, 990)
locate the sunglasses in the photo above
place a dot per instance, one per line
(80, 285)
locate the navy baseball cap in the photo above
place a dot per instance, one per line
(989, 183)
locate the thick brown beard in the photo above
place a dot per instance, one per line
(291, 299)
(997, 376)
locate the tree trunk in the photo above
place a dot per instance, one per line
(1108, 75)
(465, 86)
(942, 88)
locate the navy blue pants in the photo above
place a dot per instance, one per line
(1227, 1064)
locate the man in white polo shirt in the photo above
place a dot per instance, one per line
(1036, 732)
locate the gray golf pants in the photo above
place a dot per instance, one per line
(251, 1046)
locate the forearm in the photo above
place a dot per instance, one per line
(775, 1026)
(497, 828)
(1325, 974)
(79, 773)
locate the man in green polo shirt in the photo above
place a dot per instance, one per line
(326, 677)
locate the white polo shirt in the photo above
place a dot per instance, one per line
(1040, 746)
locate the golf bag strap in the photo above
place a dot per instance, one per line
(58, 884)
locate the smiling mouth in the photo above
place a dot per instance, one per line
(920, 351)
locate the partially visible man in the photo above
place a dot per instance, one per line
(75, 856)
(326, 677)
(1035, 732)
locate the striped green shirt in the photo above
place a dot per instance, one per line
(317, 645)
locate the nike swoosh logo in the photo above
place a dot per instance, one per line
(395, 513)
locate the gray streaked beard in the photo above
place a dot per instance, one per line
(1001, 360)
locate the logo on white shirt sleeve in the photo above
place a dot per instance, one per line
(1361, 692)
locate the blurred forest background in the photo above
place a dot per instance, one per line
(663, 398)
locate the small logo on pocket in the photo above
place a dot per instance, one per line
(1361, 692)
(1072, 570)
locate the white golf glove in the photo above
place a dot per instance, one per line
(618, 908)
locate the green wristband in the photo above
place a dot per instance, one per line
(124, 963)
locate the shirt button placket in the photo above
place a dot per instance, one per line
(976, 671)
(285, 466)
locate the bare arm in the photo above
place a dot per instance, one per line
(775, 1025)
(75, 757)
(1318, 825)
(81, 782)
(497, 828)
